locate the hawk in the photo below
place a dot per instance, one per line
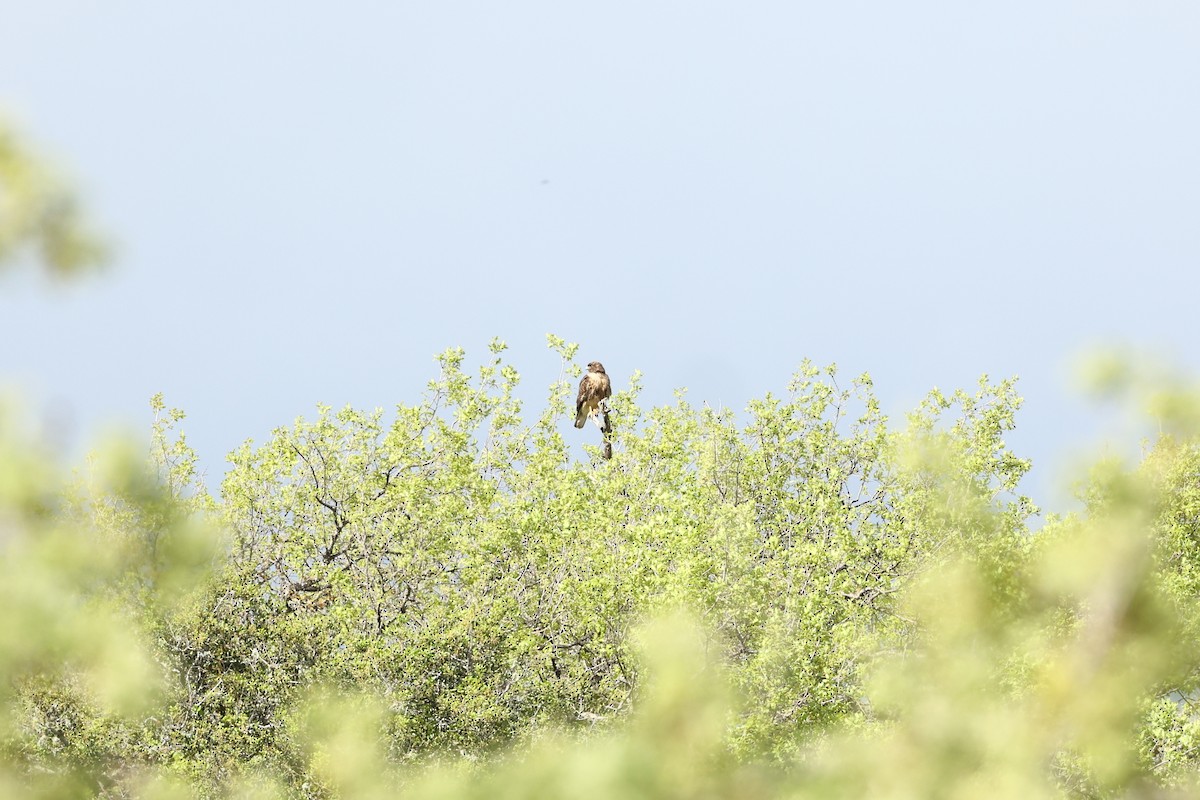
(594, 389)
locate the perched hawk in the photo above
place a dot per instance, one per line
(593, 390)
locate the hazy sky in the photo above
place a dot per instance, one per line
(311, 200)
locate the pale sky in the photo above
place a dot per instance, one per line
(311, 200)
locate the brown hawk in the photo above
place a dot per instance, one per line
(593, 390)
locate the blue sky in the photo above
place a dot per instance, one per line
(312, 200)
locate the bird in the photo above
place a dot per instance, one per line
(594, 389)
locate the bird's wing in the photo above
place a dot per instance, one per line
(582, 397)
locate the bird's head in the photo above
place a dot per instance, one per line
(595, 366)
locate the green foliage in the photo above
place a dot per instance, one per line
(442, 602)
(38, 210)
(82, 572)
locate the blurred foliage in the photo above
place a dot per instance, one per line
(442, 602)
(39, 211)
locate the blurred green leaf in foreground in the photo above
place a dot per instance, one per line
(40, 213)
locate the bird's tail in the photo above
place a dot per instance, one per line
(580, 417)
